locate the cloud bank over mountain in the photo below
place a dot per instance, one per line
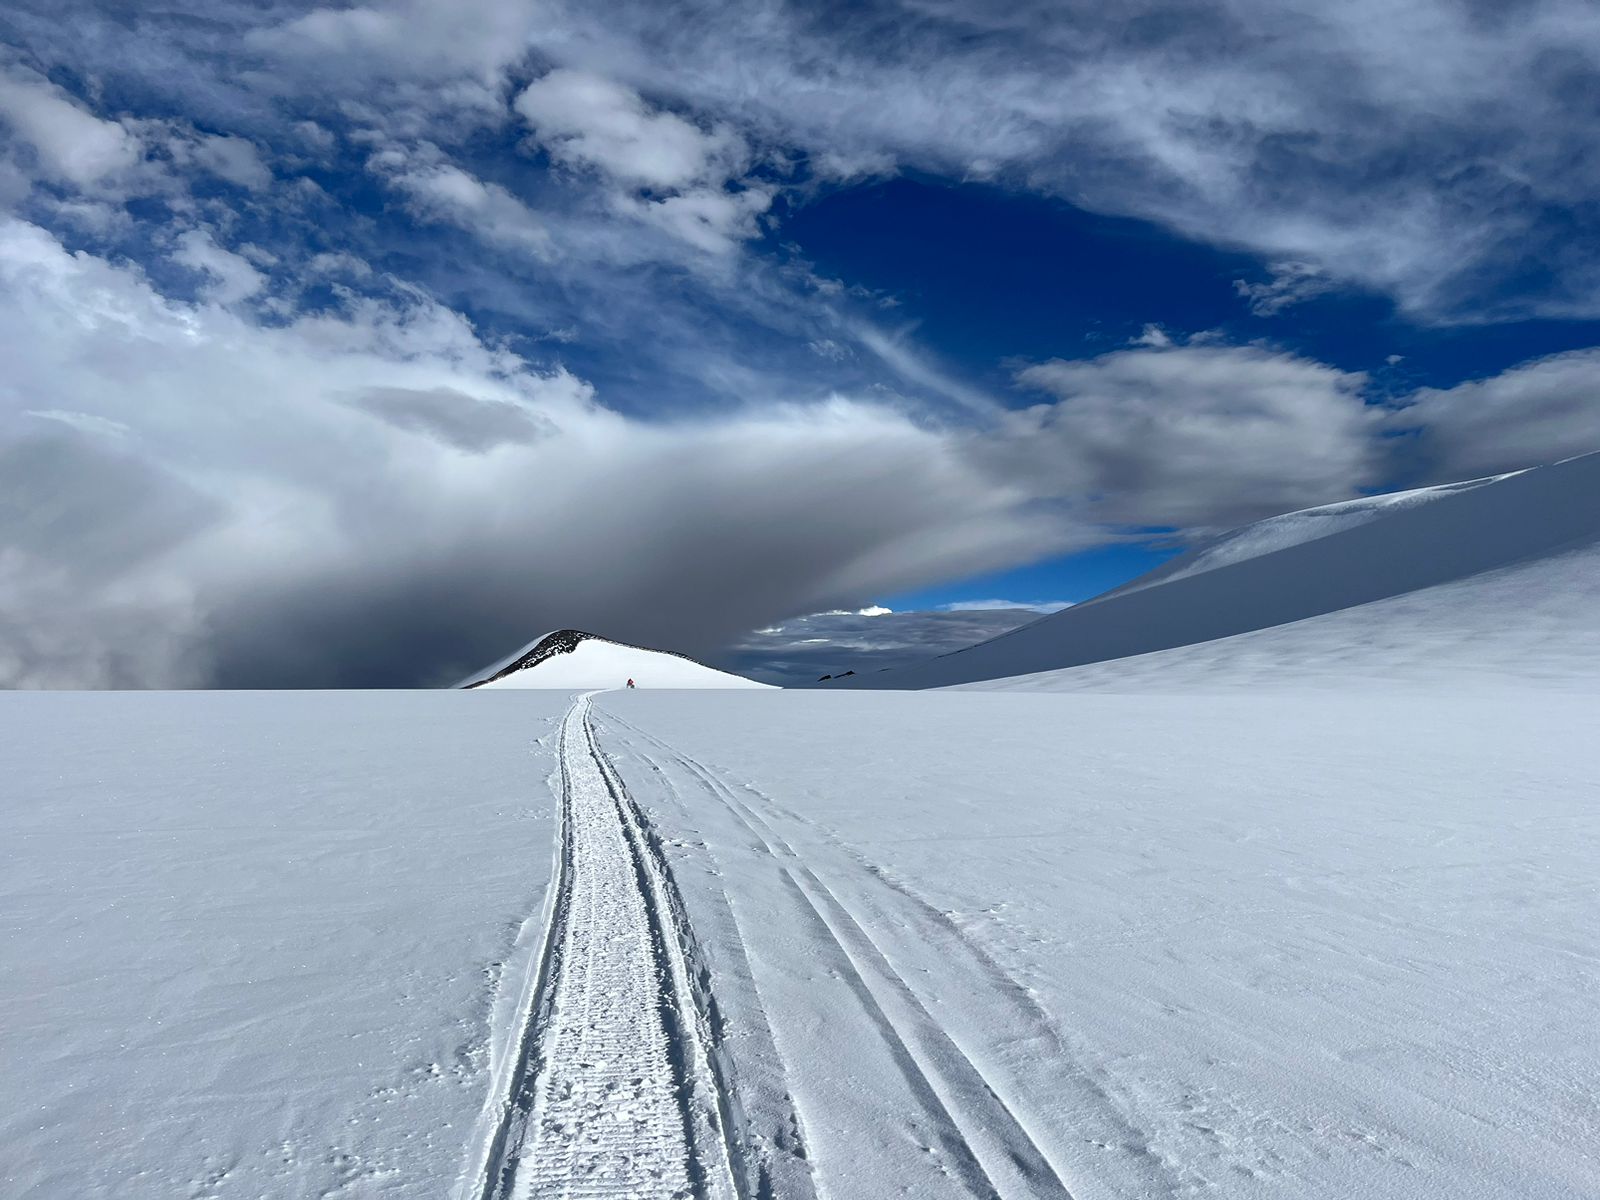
(338, 330)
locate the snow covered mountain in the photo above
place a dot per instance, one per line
(1499, 574)
(571, 658)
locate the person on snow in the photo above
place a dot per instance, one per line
(630, 683)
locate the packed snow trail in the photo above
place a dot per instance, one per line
(615, 1094)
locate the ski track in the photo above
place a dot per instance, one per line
(615, 1094)
(985, 1142)
(1099, 1117)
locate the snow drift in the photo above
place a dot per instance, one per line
(571, 658)
(1505, 569)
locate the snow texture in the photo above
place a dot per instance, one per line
(945, 944)
(264, 944)
(1276, 944)
(623, 1102)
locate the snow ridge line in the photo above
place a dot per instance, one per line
(992, 1146)
(614, 1095)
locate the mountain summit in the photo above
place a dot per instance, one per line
(571, 658)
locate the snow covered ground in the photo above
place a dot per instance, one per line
(1254, 944)
(263, 944)
(1285, 944)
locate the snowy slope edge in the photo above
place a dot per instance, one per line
(573, 658)
(1390, 549)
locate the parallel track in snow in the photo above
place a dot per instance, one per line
(614, 1093)
(986, 1141)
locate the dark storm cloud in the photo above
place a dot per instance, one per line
(61, 486)
(275, 534)
(81, 519)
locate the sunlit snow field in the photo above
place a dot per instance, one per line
(252, 943)
(1248, 944)
(1267, 944)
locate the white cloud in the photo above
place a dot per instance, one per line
(1410, 151)
(1539, 412)
(1290, 283)
(72, 145)
(1153, 336)
(412, 40)
(250, 503)
(441, 191)
(713, 220)
(656, 167)
(235, 159)
(338, 263)
(231, 276)
(1439, 154)
(586, 120)
(293, 502)
(98, 217)
(1187, 435)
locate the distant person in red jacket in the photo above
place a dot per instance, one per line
(630, 683)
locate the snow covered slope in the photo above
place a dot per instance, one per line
(572, 659)
(1292, 529)
(1415, 570)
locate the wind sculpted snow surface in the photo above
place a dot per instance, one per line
(1251, 945)
(798, 944)
(264, 944)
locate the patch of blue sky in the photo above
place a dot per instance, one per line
(1071, 578)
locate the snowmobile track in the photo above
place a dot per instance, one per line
(985, 1141)
(614, 1093)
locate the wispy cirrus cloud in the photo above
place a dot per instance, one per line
(1411, 152)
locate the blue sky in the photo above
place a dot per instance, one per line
(1045, 279)
(338, 328)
